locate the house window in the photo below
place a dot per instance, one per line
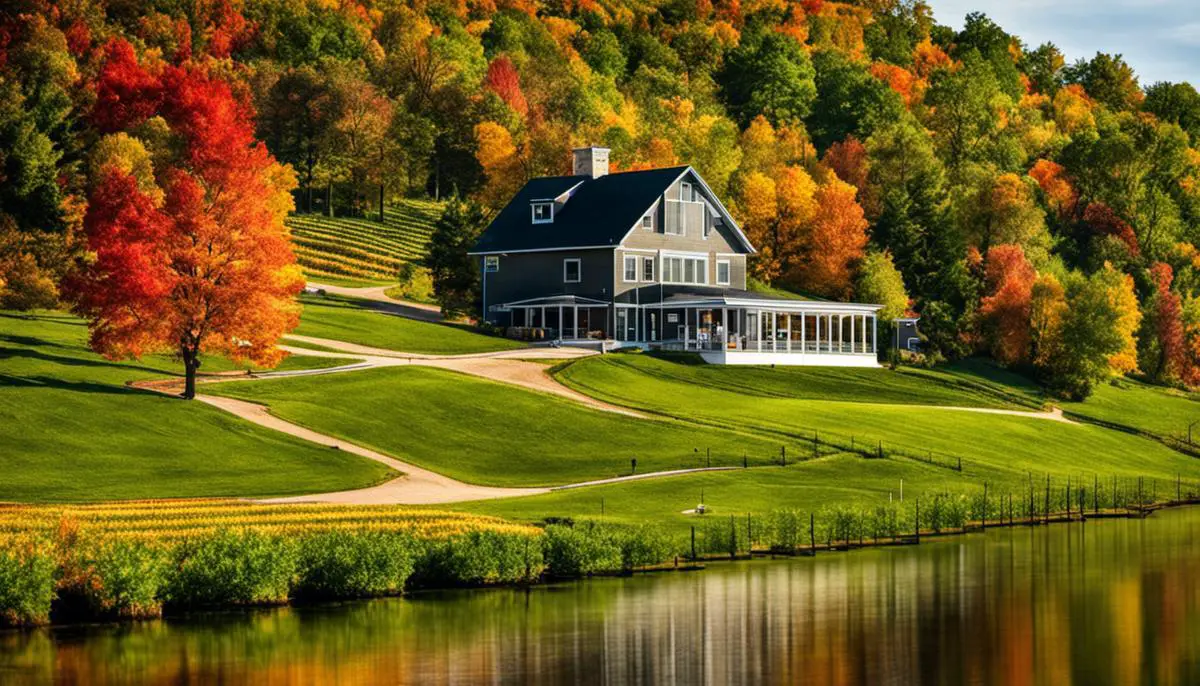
(571, 270)
(491, 263)
(685, 192)
(647, 269)
(543, 212)
(631, 271)
(722, 272)
(685, 270)
(648, 221)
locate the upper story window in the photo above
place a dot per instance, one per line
(647, 269)
(648, 221)
(686, 192)
(630, 268)
(685, 270)
(572, 271)
(491, 263)
(543, 212)
(722, 272)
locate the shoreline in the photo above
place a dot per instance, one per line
(680, 563)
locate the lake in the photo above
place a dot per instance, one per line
(1106, 602)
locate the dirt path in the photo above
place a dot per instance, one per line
(1055, 414)
(509, 366)
(417, 486)
(381, 301)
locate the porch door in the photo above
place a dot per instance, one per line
(622, 324)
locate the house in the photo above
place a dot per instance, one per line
(651, 259)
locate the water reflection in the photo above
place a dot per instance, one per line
(1108, 602)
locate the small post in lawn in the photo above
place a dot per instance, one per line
(633, 465)
(745, 462)
(960, 463)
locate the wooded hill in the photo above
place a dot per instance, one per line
(1040, 209)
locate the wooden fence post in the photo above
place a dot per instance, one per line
(812, 533)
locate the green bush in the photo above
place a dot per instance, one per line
(579, 550)
(588, 547)
(26, 584)
(787, 530)
(480, 557)
(720, 536)
(232, 567)
(841, 524)
(645, 545)
(884, 521)
(113, 579)
(354, 564)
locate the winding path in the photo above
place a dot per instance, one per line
(379, 300)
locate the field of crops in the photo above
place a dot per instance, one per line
(175, 519)
(351, 248)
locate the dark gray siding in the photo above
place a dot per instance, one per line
(540, 274)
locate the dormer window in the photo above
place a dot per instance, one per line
(543, 212)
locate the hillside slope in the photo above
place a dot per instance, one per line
(354, 248)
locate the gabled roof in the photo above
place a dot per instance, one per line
(599, 214)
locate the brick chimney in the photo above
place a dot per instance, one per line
(591, 161)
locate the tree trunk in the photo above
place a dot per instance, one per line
(329, 198)
(191, 363)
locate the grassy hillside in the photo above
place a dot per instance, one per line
(1003, 451)
(344, 248)
(71, 429)
(490, 433)
(357, 321)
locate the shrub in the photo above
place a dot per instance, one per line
(721, 536)
(480, 557)
(883, 521)
(841, 524)
(354, 564)
(645, 545)
(26, 584)
(580, 549)
(787, 530)
(232, 567)
(113, 579)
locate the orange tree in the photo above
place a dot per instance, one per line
(201, 262)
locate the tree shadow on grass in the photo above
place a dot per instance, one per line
(12, 353)
(47, 317)
(43, 381)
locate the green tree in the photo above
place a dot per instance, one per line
(1089, 336)
(295, 119)
(456, 285)
(1178, 103)
(850, 101)
(1107, 79)
(1044, 67)
(880, 283)
(769, 73)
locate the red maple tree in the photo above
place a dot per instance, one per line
(210, 268)
(1007, 308)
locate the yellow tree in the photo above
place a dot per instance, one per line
(834, 244)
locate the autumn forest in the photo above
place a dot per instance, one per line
(1040, 208)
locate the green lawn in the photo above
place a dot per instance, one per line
(71, 430)
(354, 321)
(490, 433)
(1154, 409)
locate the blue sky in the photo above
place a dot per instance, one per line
(1160, 39)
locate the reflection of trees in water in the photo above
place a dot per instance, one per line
(1111, 602)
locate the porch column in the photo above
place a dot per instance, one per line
(851, 333)
(575, 322)
(803, 333)
(817, 333)
(829, 332)
(875, 334)
(788, 324)
(759, 328)
(725, 328)
(864, 334)
(560, 322)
